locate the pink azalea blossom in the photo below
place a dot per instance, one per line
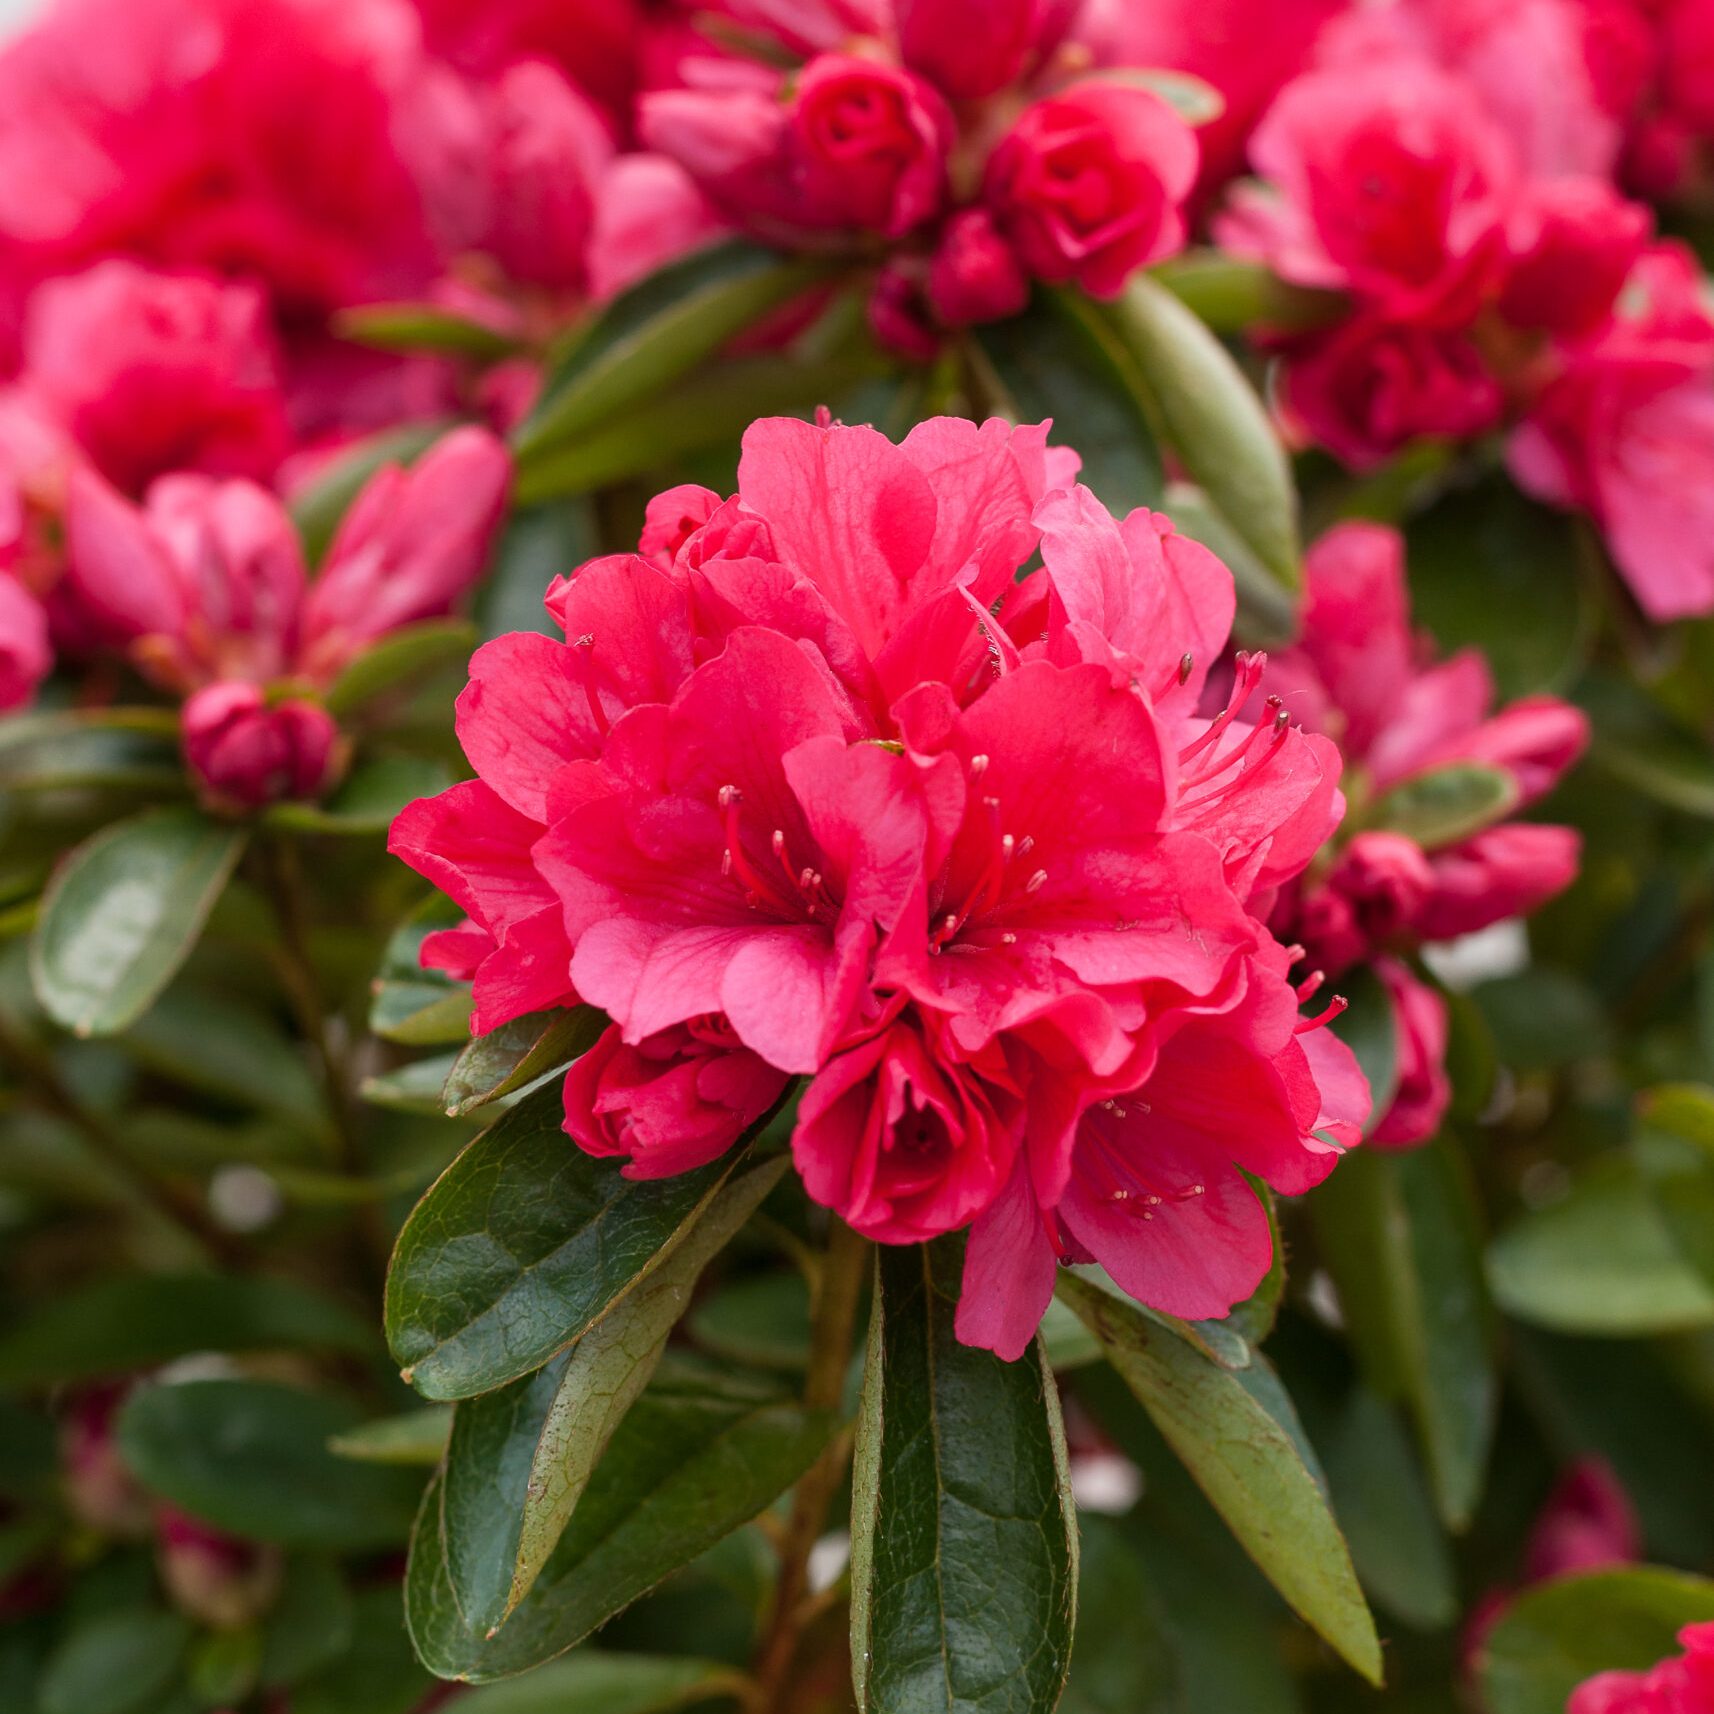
(151, 373)
(1681, 1684)
(246, 751)
(25, 652)
(1422, 1091)
(814, 786)
(971, 48)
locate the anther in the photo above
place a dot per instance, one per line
(1186, 666)
(978, 767)
(1036, 882)
(1335, 1007)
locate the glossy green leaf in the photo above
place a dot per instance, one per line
(963, 1532)
(762, 1320)
(1233, 296)
(1448, 804)
(521, 1246)
(1674, 1149)
(368, 800)
(1646, 749)
(118, 1663)
(1266, 616)
(1061, 360)
(423, 327)
(655, 332)
(1125, 1661)
(541, 542)
(252, 1458)
(1247, 1461)
(399, 658)
(701, 413)
(1397, 1544)
(1554, 1636)
(599, 1682)
(123, 912)
(411, 1088)
(416, 1437)
(413, 1006)
(1399, 1234)
(1214, 421)
(221, 1666)
(697, 1456)
(521, 1457)
(119, 1325)
(515, 1055)
(1600, 1260)
(91, 749)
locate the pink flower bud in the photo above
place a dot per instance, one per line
(899, 315)
(1535, 740)
(246, 754)
(869, 145)
(1089, 185)
(975, 275)
(211, 1577)
(648, 211)
(412, 543)
(25, 653)
(671, 1103)
(971, 48)
(1502, 872)
(1588, 1523)
(100, 1489)
(1386, 878)
(1423, 1091)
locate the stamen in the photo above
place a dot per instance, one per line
(1036, 882)
(585, 647)
(1335, 1007)
(1310, 986)
(1186, 667)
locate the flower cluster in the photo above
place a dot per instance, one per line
(974, 142)
(203, 187)
(1452, 172)
(815, 787)
(1403, 721)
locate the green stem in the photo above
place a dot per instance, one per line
(831, 1331)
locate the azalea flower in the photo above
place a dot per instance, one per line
(815, 787)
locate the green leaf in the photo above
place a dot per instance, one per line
(1266, 616)
(517, 1054)
(653, 333)
(703, 411)
(376, 1675)
(963, 1532)
(91, 749)
(221, 1667)
(318, 507)
(596, 1682)
(399, 658)
(540, 544)
(520, 1247)
(1214, 421)
(118, 1663)
(1234, 296)
(1249, 1463)
(1646, 749)
(1557, 1634)
(762, 1320)
(1061, 360)
(1399, 1234)
(1125, 1661)
(252, 1458)
(1396, 1540)
(123, 912)
(413, 1437)
(1599, 1261)
(311, 1625)
(422, 327)
(413, 1006)
(1493, 570)
(139, 1321)
(1448, 804)
(696, 1457)
(521, 1457)
(367, 800)
(1674, 1149)
(411, 1088)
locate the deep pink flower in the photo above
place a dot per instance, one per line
(1588, 1523)
(1393, 185)
(648, 211)
(256, 137)
(25, 653)
(815, 781)
(246, 751)
(975, 275)
(1371, 386)
(152, 373)
(1089, 184)
(971, 48)
(1682, 1684)
(1626, 433)
(1501, 872)
(1423, 1090)
(671, 1103)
